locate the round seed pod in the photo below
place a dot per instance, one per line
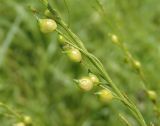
(47, 13)
(94, 79)
(19, 124)
(105, 95)
(114, 39)
(47, 25)
(137, 64)
(85, 83)
(61, 40)
(74, 55)
(27, 120)
(152, 95)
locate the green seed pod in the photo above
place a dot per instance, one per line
(85, 83)
(19, 124)
(94, 79)
(61, 40)
(137, 64)
(152, 95)
(27, 120)
(47, 13)
(47, 25)
(74, 55)
(105, 95)
(114, 39)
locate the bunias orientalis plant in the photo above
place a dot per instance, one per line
(21, 120)
(71, 41)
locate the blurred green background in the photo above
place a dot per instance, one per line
(36, 79)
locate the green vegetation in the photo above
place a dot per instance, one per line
(37, 79)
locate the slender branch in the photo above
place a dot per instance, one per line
(76, 42)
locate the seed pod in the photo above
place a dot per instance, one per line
(19, 124)
(47, 25)
(27, 120)
(85, 83)
(152, 95)
(47, 13)
(94, 79)
(114, 39)
(74, 55)
(105, 95)
(137, 64)
(61, 40)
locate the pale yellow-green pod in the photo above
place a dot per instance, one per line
(152, 95)
(94, 79)
(47, 25)
(137, 64)
(85, 83)
(19, 124)
(105, 96)
(47, 13)
(27, 120)
(114, 39)
(61, 40)
(74, 55)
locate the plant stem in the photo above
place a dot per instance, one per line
(106, 76)
(76, 42)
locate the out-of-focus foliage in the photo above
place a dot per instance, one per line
(36, 79)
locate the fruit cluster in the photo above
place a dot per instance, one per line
(85, 83)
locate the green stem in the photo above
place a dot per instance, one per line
(105, 75)
(17, 115)
(79, 44)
